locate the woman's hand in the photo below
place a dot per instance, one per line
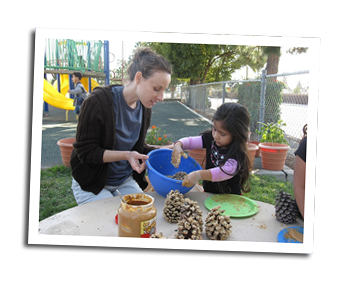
(134, 160)
(133, 157)
(177, 153)
(191, 179)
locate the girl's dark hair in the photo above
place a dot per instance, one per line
(235, 119)
(147, 62)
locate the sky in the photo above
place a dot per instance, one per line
(288, 63)
(117, 48)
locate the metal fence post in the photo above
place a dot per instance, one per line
(204, 98)
(223, 96)
(181, 93)
(262, 103)
(193, 96)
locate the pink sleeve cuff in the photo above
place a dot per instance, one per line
(191, 142)
(230, 167)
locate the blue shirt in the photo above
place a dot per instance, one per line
(128, 127)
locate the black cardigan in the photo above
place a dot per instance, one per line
(95, 134)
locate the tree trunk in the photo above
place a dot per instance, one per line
(272, 63)
(194, 81)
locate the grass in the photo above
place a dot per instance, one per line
(56, 194)
(264, 188)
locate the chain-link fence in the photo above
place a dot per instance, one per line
(268, 99)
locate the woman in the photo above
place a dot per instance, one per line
(109, 152)
(300, 171)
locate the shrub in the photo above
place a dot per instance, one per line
(155, 137)
(272, 132)
(250, 96)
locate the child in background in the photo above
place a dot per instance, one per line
(79, 92)
(227, 161)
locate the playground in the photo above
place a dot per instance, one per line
(62, 58)
(91, 58)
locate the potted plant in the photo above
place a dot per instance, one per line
(66, 147)
(157, 139)
(252, 151)
(273, 145)
(250, 144)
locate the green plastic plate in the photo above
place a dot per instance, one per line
(234, 205)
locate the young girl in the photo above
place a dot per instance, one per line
(110, 151)
(227, 161)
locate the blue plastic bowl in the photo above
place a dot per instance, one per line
(159, 166)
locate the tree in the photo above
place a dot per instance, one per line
(119, 74)
(201, 63)
(274, 54)
(298, 88)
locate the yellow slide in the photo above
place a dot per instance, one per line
(56, 99)
(59, 99)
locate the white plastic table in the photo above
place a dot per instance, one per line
(98, 219)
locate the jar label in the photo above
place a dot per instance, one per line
(148, 227)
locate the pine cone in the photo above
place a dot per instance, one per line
(190, 226)
(178, 176)
(172, 206)
(157, 235)
(286, 210)
(296, 209)
(217, 226)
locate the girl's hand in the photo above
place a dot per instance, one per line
(191, 179)
(133, 159)
(177, 153)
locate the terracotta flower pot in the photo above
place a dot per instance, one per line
(258, 152)
(66, 146)
(252, 149)
(199, 155)
(273, 155)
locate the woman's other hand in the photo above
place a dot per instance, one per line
(134, 160)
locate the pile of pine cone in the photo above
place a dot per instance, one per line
(188, 216)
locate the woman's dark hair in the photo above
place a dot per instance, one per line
(235, 119)
(147, 62)
(78, 74)
(305, 131)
